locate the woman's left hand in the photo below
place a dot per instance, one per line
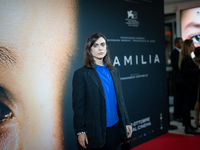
(129, 131)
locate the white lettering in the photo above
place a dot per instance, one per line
(142, 60)
(116, 61)
(134, 129)
(150, 59)
(139, 60)
(156, 59)
(144, 125)
(136, 59)
(127, 60)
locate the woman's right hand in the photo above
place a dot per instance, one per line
(82, 139)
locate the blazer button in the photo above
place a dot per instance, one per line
(105, 110)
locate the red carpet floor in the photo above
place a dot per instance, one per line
(171, 141)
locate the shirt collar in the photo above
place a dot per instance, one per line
(178, 49)
(98, 66)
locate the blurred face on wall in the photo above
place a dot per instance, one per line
(190, 25)
(37, 40)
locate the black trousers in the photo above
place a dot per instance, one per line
(113, 139)
(190, 97)
(178, 100)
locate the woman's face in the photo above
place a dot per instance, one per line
(192, 47)
(190, 25)
(36, 44)
(98, 49)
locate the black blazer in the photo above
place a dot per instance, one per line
(174, 61)
(90, 108)
(189, 71)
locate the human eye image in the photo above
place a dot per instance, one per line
(5, 113)
(37, 41)
(7, 122)
(190, 25)
(196, 39)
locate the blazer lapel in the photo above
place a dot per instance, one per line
(95, 77)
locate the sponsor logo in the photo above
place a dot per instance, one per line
(132, 18)
(161, 124)
(131, 15)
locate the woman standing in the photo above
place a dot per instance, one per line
(100, 115)
(197, 105)
(188, 76)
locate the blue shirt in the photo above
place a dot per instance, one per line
(110, 96)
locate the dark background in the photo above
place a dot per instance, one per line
(145, 96)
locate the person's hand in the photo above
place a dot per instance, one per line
(129, 131)
(82, 139)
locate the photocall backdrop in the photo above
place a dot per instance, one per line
(135, 34)
(41, 45)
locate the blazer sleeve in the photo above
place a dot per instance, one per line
(78, 101)
(123, 106)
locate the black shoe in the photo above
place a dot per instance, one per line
(197, 124)
(193, 127)
(189, 130)
(172, 127)
(179, 119)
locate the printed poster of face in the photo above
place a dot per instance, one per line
(37, 40)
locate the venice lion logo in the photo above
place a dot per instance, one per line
(132, 14)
